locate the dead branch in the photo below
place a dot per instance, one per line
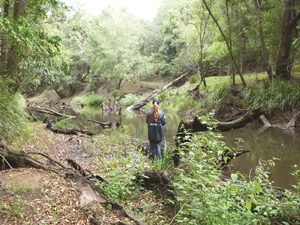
(143, 102)
(44, 110)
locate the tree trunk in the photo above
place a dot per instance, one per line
(227, 43)
(119, 83)
(230, 43)
(4, 46)
(13, 62)
(264, 51)
(284, 61)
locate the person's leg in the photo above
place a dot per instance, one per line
(158, 151)
(152, 151)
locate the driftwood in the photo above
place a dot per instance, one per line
(223, 159)
(44, 110)
(287, 126)
(90, 195)
(107, 124)
(142, 103)
(67, 131)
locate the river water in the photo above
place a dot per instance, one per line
(268, 144)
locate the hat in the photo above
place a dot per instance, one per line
(155, 100)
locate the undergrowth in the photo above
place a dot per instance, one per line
(13, 118)
(205, 199)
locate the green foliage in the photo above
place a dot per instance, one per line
(129, 99)
(13, 118)
(66, 123)
(279, 95)
(91, 99)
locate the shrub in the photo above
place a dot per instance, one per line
(194, 79)
(129, 99)
(13, 118)
(90, 99)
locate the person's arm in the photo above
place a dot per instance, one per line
(147, 118)
(163, 119)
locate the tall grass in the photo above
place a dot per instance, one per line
(220, 96)
(279, 95)
(13, 118)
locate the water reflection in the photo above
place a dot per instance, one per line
(271, 143)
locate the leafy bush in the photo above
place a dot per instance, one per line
(279, 95)
(13, 119)
(91, 99)
(194, 79)
(129, 99)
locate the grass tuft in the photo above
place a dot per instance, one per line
(279, 95)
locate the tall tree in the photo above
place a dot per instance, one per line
(290, 18)
(264, 51)
(226, 41)
(22, 36)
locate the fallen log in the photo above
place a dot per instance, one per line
(107, 124)
(44, 110)
(91, 196)
(192, 125)
(143, 102)
(195, 124)
(287, 126)
(67, 131)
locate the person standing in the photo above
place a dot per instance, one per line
(155, 119)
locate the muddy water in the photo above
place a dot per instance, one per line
(264, 145)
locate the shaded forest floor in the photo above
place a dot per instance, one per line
(31, 196)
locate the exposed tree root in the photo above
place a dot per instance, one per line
(89, 192)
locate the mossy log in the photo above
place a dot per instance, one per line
(196, 124)
(90, 195)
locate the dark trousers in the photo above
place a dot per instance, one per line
(155, 150)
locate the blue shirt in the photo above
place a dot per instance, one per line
(155, 131)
